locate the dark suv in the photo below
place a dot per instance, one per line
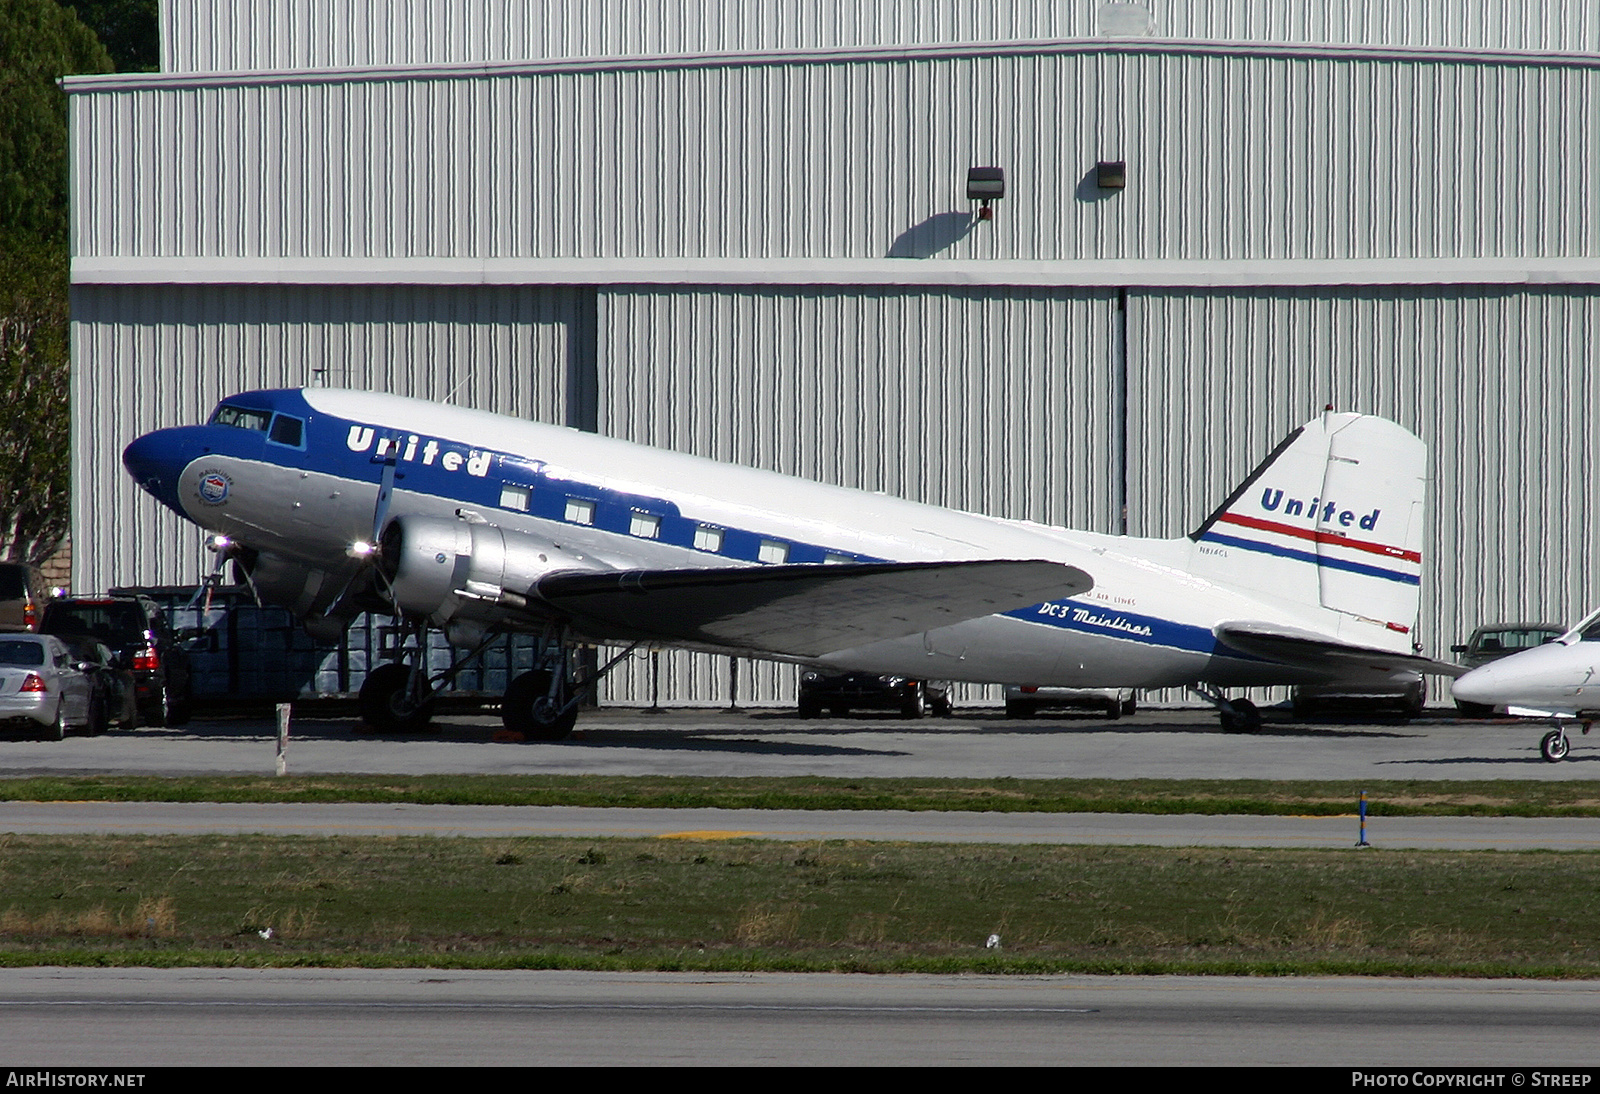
(137, 630)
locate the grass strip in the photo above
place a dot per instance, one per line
(756, 905)
(1393, 798)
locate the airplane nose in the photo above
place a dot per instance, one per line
(1481, 685)
(156, 460)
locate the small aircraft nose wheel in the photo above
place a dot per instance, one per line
(1555, 746)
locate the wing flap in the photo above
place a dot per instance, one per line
(1292, 646)
(804, 610)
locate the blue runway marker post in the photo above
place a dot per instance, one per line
(1362, 842)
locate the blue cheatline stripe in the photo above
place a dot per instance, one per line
(1315, 560)
(1107, 623)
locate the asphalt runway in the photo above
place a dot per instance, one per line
(125, 1019)
(1152, 744)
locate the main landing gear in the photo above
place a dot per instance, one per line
(1236, 715)
(539, 705)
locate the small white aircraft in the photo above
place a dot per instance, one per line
(336, 502)
(1558, 680)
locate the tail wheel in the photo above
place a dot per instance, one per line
(388, 702)
(529, 709)
(1244, 718)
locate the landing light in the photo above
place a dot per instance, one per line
(360, 549)
(218, 544)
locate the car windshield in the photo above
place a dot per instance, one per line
(22, 654)
(111, 622)
(1518, 639)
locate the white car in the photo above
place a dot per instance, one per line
(42, 687)
(1024, 700)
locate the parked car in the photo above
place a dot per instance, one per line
(22, 596)
(136, 629)
(1493, 641)
(42, 688)
(1406, 697)
(842, 693)
(1025, 700)
(115, 693)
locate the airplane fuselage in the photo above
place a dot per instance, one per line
(1561, 677)
(295, 475)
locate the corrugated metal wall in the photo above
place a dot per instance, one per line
(146, 357)
(996, 401)
(1229, 157)
(222, 35)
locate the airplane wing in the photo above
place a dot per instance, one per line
(1291, 646)
(800, 611)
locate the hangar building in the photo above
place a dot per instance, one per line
(740, 229)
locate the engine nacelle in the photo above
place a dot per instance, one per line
(438, 566)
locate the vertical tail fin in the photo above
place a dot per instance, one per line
(1333, 518)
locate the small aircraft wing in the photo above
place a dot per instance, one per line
(1291, 646)
(804, 610)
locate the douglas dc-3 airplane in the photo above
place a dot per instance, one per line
(1558, 680)
(337, 502)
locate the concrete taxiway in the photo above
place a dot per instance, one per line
(497, 821)
(981, 744)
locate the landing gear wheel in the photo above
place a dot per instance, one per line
(916, 704)
(1555, 746)
(529, 709)
(1244, 718)
(387, 703)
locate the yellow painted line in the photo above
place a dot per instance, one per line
(707, 834)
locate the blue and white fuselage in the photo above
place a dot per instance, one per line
(1318, 552)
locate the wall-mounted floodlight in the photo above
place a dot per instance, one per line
(985, 184)
(1111, 174)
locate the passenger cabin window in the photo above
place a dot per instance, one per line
(287, 431)
(514, 497)
(707, 537)
(773, 551)
(834, 558)
(644, 525)
(580, 511)
(241, 417)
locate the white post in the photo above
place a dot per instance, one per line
(283, 738)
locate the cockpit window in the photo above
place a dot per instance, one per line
(242, 417)
(285, 430)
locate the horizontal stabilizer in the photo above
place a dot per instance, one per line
(1307, 649)
(800, 611)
